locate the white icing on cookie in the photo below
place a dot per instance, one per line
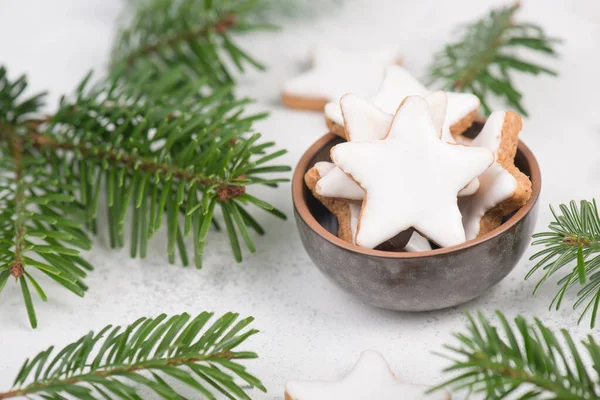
(471, 188)
(399, 83)
(365, 122)
(338, 185)
(370, 379)
(417, 243)
(463, 140)
(459, 106)
(427, 175)
(438, 104)
(336, 72)
(447, 137)
(496, 183)
(324, 167)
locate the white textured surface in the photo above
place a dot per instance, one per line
(310, 329)
(370, 378)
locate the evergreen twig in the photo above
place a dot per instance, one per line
(40, 220)
(157, 35)
(175, 153)
(482, 61)
(572, 244)
(521, 359)
(151, 353)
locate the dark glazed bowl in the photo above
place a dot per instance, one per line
(423, 281)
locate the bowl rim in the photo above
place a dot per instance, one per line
(304, 213)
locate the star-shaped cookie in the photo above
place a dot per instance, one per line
(334, 73)
(364, 121)
(399, 83)
(504, 188)
(370, 379)
(411, 178)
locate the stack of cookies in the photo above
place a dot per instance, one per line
(406, 169)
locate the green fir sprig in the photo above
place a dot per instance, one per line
(174, 156)
(572, 246)
(483, 60)
(161, 141)
(521, 359)
(195, 35)
(151, 353)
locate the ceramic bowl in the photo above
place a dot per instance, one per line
(423, 281)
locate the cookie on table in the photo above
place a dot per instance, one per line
(504, 189)
(345, 211)
(396, 85)
(371, 378)
(428, 174)
(336, 72)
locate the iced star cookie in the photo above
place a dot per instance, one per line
(345, 212)
(334, 73)
(504, 188)
(370, 379)
(431, 171)
(364, 121)
(399, 83)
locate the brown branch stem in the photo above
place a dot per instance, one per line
(42, 141)
(175, 362)
(225, 189)
(574, 240)
(220, 26)
(17, 267)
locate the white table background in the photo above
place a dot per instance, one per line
(309, 327)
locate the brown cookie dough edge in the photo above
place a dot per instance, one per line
(336, 128)
(506, 158)
(303, 103)
(339, 208)
(465, 123)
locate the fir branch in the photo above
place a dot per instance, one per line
(186, 155)
(572, 244)
(150, 352)
(39, 223)
(482, 61)
(175, 154)
(157, 35)
(523, 358)
(220, 26)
